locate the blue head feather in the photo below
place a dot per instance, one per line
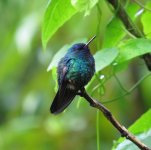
(78, 47)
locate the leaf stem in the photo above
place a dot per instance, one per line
(129, 91)
(141, 5)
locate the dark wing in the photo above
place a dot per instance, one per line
(65, 94)
(62, 99)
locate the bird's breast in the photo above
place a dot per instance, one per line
(81, 71)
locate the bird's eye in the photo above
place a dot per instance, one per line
(81, 47)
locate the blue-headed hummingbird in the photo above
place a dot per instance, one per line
(74, 71)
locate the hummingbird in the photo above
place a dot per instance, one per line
(74, 71)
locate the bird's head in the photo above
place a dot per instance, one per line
(81, 46)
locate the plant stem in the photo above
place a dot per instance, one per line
(128, 91)
(97, 130)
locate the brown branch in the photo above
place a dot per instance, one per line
(124, 132)
(130, 26)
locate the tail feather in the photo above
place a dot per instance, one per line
(62, 100)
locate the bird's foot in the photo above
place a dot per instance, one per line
(81, 92)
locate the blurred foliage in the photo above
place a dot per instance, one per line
(27, 89)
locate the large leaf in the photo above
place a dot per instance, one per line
(141, 128)
(144, 121)
(105, 57)
(132, 49)
(128, 145)
(115, 30)
(57, 13)
(84, 5)
(57, 57)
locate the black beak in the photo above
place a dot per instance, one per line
(90, 40)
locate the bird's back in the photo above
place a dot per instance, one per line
(80, 67)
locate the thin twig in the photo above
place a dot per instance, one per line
(128, 91)
(141, 5)
(130, 26)
(124, 132)
(119, 83)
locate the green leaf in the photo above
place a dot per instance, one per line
(84, 5)
(105, 57)
(144, 122)
(57, 13)
(142, 129)
(128, 145)
(115, 30)
(54, 76)
(133, 48)
(146, 17)
(133, 11)
(57, 57)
